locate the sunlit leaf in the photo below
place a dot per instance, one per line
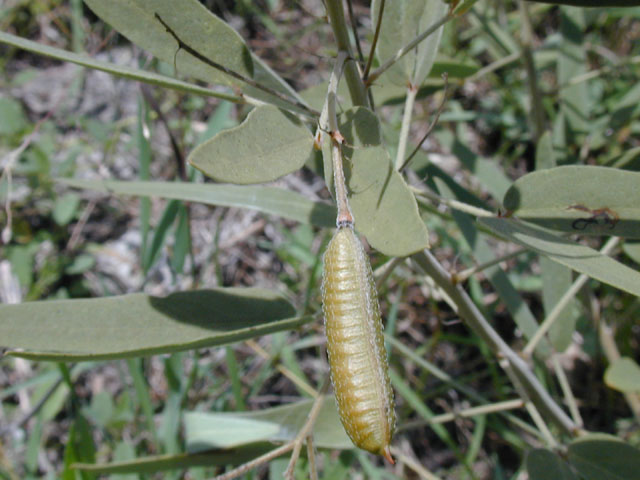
(208, 430)
(401, 23)
(579, 199)
(384, 207)
(266, 146)
(275, 201)
(139, 324)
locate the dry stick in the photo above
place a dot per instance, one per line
(562, 303)
(376, 35)
(464, 275)
(249, 81)
(474, 318)
(445, 76)
(305, 431)
(413, 464)
(299, 382)
(407, 48)
(256, 462)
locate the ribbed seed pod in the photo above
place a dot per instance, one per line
(355, 345)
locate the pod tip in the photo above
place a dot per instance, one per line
(386, 453)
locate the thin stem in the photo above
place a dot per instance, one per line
(354, 30)
(480, 410)
(464, 275)
(445, 76)
(311, 458)
(412, 91)
(563, 302)
(345, 217)
(566, 390)
(256, 462)
(528, 404)
(299, 382)
(249, 81)
(492, 67)
(413, 464)
(537, 109)
(476, 321)
(407, 48)
(374, 44)
(455, 204)
(305, 431)
(357, 90)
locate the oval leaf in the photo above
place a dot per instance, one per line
(579, 199)
(545, 465)
(603, 457)
(139, 324)
(574, 255)
(401, 23)
(384, 207)
(206, 431)
(276, 201)
(198, 28)
(266, 146)
(623, 375)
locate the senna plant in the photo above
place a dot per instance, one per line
(388, 191)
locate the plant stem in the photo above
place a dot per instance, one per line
(335, 13)
(374, 44)
(462, 276)
(479, 324)
(412, 91)
(407, 48)
(354, 30)
(455, 204)
(566, 390)
(562, 303)
(537, 110)
(236, 75)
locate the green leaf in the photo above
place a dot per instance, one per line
(119, 70)
(270, 200)
(266, 146)
(197, 27)
(579, 199)
(12, 117)
(65, 208)
(623, 375)
(401, 23)
(574, 255)
(178, 462)
(545, 465)
(139, 324)
(632, 250)
(206, 431)
(384, 207)
(604, 457)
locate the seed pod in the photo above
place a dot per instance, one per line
(355, 345)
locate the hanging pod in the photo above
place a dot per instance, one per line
(355, 345)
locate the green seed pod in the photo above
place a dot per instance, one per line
(355, 345)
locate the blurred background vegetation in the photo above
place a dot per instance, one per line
(60, 120)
